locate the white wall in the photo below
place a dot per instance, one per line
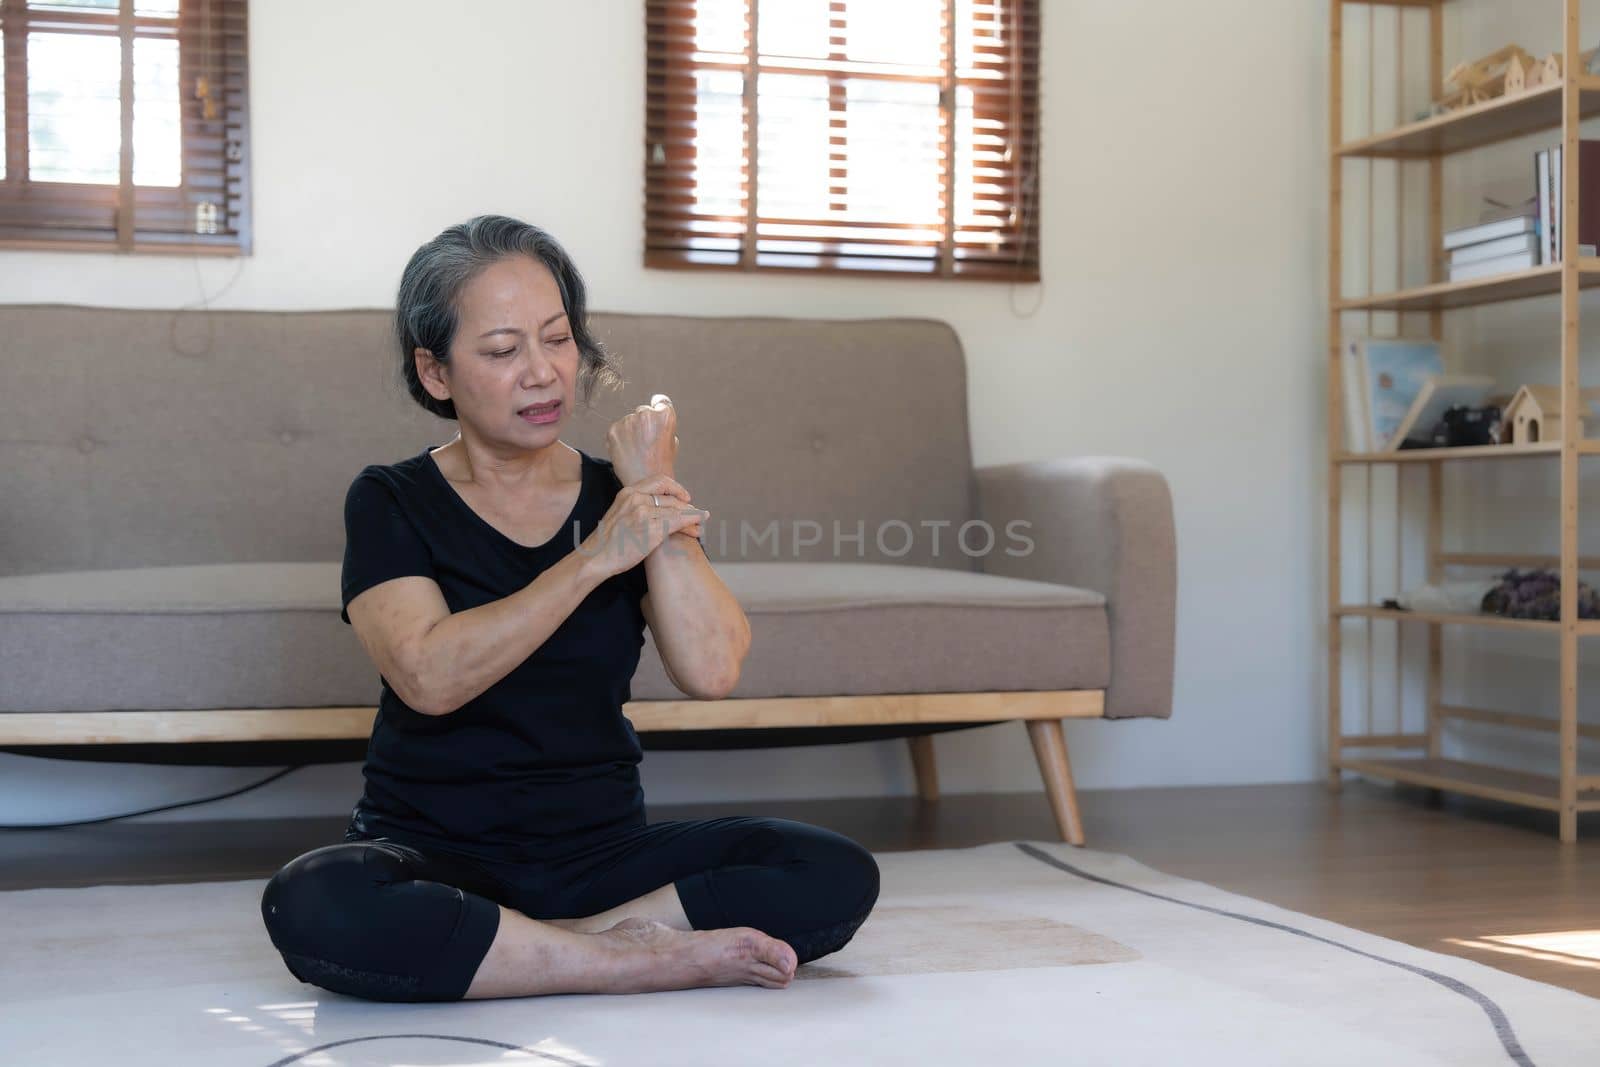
(1180, 321)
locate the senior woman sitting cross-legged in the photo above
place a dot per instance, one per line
(501, 584)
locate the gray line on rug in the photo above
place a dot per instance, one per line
(1502, 1025)
(544, 1057)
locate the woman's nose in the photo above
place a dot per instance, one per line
(538, 368)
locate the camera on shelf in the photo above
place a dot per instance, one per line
(1464, 426)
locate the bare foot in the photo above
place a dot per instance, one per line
(652, 956)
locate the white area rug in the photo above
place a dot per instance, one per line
(1012, 953)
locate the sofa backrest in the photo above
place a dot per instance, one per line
(147, 438)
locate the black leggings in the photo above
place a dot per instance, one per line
(385, 920)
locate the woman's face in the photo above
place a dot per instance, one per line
(513, 348)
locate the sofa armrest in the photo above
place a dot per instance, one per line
(1106, 524)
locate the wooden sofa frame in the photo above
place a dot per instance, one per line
(1043, 712)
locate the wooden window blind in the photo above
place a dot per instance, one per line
(126, 125)
(843, 135)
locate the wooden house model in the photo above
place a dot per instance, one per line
(1534, 414)
(1526, 72)
(1550, 68)
(1484, 79)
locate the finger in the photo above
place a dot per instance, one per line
(692, 513)
(686, 517)
(671, 509)
(664, 498)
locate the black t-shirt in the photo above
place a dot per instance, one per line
(544, 756)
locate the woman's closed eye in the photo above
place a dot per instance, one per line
(512, 351)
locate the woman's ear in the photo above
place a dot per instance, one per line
(431, 373)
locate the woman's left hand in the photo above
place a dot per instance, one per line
(644, 442)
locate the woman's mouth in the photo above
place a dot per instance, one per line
(540, 413)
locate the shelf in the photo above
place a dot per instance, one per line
(1495, 120)
(1586, 627)
(1586, 447)
(1474, 779)
(1429, 455)
(1536, 281)
(1461, 619)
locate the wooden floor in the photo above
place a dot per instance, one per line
(1450, 876)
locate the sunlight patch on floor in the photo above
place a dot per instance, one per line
(1575, 948)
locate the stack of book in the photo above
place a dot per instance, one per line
(1494, 247)
(1513, 237)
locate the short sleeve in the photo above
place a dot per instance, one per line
(380, 542)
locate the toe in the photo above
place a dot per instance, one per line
(772, 977)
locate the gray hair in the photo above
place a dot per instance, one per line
(426, 313)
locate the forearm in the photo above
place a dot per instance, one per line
(469, 651)
(699, 627)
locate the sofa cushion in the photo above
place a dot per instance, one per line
(227, 635)
(844, 629)
(269, 635)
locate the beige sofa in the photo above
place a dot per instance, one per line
(172, 530)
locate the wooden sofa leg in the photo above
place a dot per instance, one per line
(927, 770)
(1050, 748)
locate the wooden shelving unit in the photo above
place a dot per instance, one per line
(1498, 622)
(1426, 143)
(1477, 779)
(1441, 296)
(1588, 447)
(1490, 122)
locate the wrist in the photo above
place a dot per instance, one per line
(627, 475)
(591, 567)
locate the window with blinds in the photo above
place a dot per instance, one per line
(126, 125)
(843, 135)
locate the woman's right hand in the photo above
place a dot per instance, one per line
(634, 526)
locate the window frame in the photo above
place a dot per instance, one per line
(669, 164)
(214, 151)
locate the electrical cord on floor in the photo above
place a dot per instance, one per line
(147, 811)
